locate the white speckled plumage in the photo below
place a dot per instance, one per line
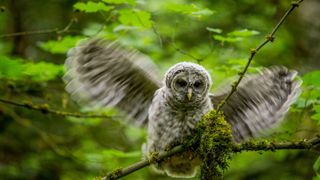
(173, 117)
(99, 73)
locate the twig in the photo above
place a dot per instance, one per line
(253, 52)
(180, 50)
(156, 32)
(45, 108)
(66, 29)
(187, 54)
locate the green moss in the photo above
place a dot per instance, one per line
(27, 104)
(114, 174)
(44, 108)
(256, 145)
(215, 145)
(154, 157)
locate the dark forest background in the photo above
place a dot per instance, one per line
(35, 36)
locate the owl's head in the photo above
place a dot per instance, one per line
(188, 82)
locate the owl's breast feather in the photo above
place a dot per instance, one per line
(169, 127)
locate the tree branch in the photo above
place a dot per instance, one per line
(254, 51)
(57, 31)
(45, 109)
(262, 145)
(143, 163)
(305, 144)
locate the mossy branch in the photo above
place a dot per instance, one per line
(156, 157)
(46, 109)
(213, 142)
(263, 145)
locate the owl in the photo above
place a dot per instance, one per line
(104, 74)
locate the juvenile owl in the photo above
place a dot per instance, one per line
(99, 73)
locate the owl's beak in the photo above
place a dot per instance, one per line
(189, 95)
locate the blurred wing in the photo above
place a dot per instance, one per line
(100, 74)
(260, 102)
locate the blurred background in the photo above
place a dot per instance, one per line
(35, 36)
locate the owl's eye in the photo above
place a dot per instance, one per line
(197, 84)
(181, 83)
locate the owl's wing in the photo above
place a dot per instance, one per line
(260, 102)
(101, 74)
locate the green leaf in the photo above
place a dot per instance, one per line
(316, 108)
(316, 116)
(312, 78)
(316, 166)
(134, 17)
(243, 33)
(227, 39)
(313, 94)
(190, 9)
(202, 12)
(91, 7)
(10, 68)
(235, 36)
(303, 102)
(60, 46)
(131, 2)
(124, 28)
(42, 71)
(183, 8)
(18, 70)
(215, 30)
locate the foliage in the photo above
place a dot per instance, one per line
(316, 166)
(134, 17)
(234, 36)
(60, 46)
(216, 34)
(19, 70)
(191, 10)
(91, 7)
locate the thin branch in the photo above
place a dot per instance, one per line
(143, 163)
(253, 52)
(187, 54)
(199, 60)
(57, 31)
(45, 109)
(272, 146)
(156, 32)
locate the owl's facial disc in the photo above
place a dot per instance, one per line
(188, 83)
(189, 86)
